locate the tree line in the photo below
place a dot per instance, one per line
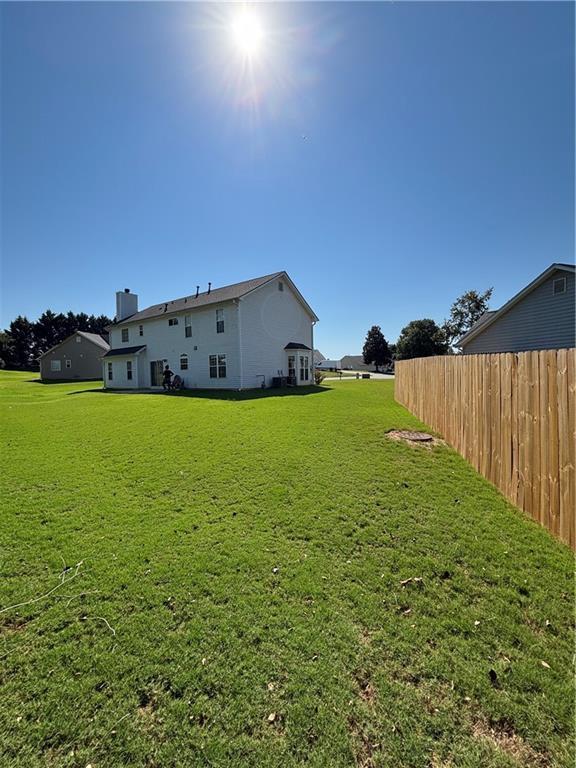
(424, 338)
(22, 343)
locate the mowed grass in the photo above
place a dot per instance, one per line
(239, 598)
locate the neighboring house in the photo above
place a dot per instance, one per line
(355, 363)
(77, 357)
(318, 357)
(329, 365)
(241, 336)
(541, 316)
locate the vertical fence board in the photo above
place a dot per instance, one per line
(512, 416)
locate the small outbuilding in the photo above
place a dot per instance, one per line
(77, 357)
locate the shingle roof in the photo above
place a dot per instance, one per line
(227, 293)
(95, 338)
(125, 351)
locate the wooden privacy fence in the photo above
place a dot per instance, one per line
(512, 416)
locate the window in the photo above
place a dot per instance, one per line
(187, 326)
(219, 321)
(183, 362)
(55, 365)
(129, 370)
(217, 366)
(172, 321)
(125, 334)
(141, 330)
(280, 286)
(303, 368)
(292, 366)
(78, 339)
(68, 363)
(109, 371)
(559, 286)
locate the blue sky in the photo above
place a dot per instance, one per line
(389, 156)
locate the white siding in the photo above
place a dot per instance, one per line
(269, 320)
(168, 342)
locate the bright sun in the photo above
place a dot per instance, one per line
(248, 34)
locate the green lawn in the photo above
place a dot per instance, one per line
(227, 589)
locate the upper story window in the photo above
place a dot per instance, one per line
(78, 339)
(219, 321)
(184, 362)
(280, 286)
(559, 285)
(188, 326)
(172, 321)
(141, 330)
(125, 334)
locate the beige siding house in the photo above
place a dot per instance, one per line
(77, 357)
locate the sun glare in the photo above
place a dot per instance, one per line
(248, 34)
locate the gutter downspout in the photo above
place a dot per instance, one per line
(240, 365)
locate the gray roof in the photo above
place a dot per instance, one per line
(215, 296)
(93, 337)
(489, 317)
(481, 320)
(125, 351)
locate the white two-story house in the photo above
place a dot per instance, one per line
(242, 336)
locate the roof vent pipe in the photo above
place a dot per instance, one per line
(197, 290)
(126, 290)
(209, 287)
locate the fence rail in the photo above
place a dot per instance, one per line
(512, 416)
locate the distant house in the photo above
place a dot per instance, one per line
(247, 335)
(355, 363)
(77, 357)
(329, 365)
(318, 357)
(541, 316)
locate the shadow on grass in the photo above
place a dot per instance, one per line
(214, 394)
(46, 382)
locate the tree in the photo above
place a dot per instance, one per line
(21, 346)
(465, 311)
(376, 349)
(6, 349)
(24, 341)
(421, 338)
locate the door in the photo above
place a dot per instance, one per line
(304, 369)
(156, 368)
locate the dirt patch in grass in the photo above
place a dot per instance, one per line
(503, 737)
(420, 439)
(364, 752)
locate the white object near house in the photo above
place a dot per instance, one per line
(242, 336)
